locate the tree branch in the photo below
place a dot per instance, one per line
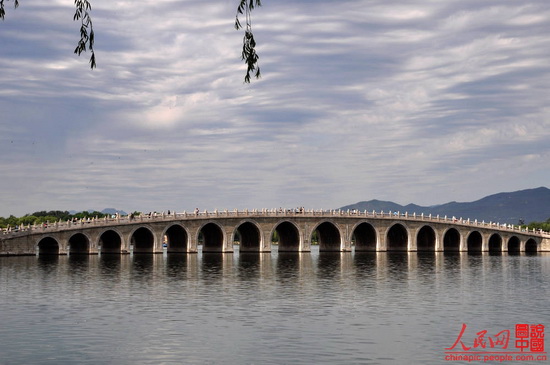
(86, 42)
(86, 29)
(248, 55)
(3, 11)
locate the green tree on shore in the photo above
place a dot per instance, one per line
(43, 216)
(545, 226)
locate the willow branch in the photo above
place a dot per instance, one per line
(248, 55)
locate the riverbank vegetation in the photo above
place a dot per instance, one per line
(47, 217)
(545, 226)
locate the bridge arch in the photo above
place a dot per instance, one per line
(289, 236)
(426, 239)
(365, 232)
(514, 245)
(110, 242)
(212, 237)
(531, 246)
(495, 243)
(250, 236)
(143, 240)
(397, 238)
(451, 240)
(329, 236)
(79, 243)
(474, 242)
(177, 238)
(365, 237)
(48, 246)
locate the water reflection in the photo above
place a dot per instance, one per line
(397, 266)
(286, 307)
(288, 265)
(142, 264)
(77, 262)
(78, 268)
(176, 264)
(48, 270)
(452, 260)
(142, 270)
(109, 265)
(249, 266)
(212, 266)
(48, 263)
(365, 264)
(329, 265)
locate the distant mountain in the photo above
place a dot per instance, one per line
(528, 205)
(104, 211)
(113, 211)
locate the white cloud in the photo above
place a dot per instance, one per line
(418, 101)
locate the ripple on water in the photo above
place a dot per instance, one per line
(363, 308)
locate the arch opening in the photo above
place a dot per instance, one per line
(451, 241)
(397, 238)
(212, 238)
(328, 237)
(110, 242)
(79, 244)
(143, 240)
(249, 237)
(364, 236)
(176, 239)
(287, 236)
(425, 239)
(48, 246)
(495, 243)
(514, 245)
(531, 246)
(475, 242)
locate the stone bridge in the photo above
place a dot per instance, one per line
(258, 230)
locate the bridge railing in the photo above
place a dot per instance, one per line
(300, 212)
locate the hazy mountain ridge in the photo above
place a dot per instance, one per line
(528, 205)
(104, 211)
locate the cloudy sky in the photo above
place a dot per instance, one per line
(416, 101)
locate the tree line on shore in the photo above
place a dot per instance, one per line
(51, 216)
(545, 226)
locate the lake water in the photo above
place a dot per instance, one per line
(269, 308)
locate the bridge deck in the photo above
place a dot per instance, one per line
(163, 217)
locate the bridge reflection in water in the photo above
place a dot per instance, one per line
(257, 231)
(285, 267)
(262, 307)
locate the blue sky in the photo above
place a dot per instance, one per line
(416, 101)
